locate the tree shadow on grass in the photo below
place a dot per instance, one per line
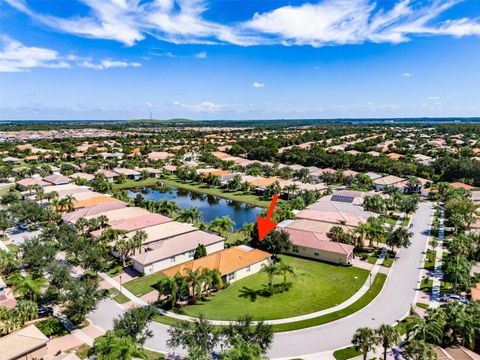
(251, 294)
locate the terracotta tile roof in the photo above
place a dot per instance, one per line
(126, 171)
(221, 155)
(57, 179)
(394, 156)
(333, 217)
(121, 213)
(458, 185)
(21, 342)
(170, 168)
(136, 223)
(81, 175)
(108, 174)
(314, 226)
(263, 182)
(226, 261)
(92, 211)
(32, 181)
(159, 155)
(319, 241)
(388, 180)
(476, 292)
(102, 199)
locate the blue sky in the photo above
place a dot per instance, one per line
(122, 59)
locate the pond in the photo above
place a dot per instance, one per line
(210, 206)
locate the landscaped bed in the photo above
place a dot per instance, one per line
(144, 284)
(315, 287)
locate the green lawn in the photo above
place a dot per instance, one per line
(143, 285)
(207, 189)
(130, 184)
(387, 262)
(233, 237)
(426, 285)
(346, 353)
(422, 305)
(430, 260)
(315, 287)
(377, 286)
(117, 296)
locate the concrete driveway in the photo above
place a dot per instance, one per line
(392, 304)
(18, 236)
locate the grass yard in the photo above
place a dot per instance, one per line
(430, 260)
(207, 189)
(117, 296)
(153, 355)
(315, 287)
(346, 353)
(143, 285)
(130, 184)
(233, 237)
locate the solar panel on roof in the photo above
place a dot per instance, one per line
(342, 198)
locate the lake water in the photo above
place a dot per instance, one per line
(210, 206)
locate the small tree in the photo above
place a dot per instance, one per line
(200, 251)
(364, 340)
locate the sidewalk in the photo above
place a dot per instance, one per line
(438, 274)
(365, 287)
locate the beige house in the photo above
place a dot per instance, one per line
(175, 250)
(26, 344)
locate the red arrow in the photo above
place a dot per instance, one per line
(265, 225)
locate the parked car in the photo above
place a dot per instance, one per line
(454, 297)
(45, 311)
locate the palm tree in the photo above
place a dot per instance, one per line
(291, 190)
(8, 262)
(123, 246)
(375, 230)
(388, 336)
(271, 269)
(28, 287)
(364, 340)
(26, 310)
(102, 220)
(69, 200)
(112, 346)
(247, 229)
(168, 207)
(362, 231)
(190, 215)
(82, 224)
(194, 279)
(420, 350)
(138, 239)
(336, 233)
(285, 269)
(400, 237)
(223, 225)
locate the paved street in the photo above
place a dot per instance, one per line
(391, 304)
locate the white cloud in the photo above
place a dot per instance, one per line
(258, 85)
(201, 55)
(15, 57)
(204, 106)
(434, 98)
(406, 74)
(326, 22)
(107, 64)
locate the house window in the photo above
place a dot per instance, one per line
(231, 276)
(316, 253)
(248, 269)
(295, 249)
(190, 254)
(172, 259)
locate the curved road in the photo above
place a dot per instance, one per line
(392, 304)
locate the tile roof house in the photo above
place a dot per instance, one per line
(455, 353)
(129, 173)
(389, 180)
(100, 199)
(93, 211)
(319, 246)
(175, 250)
(122, 213)
(109, 175)
(24, 344)
(459, 185)
(158, 155)
(135, 223)
(234, 263)
(57, 179)
(332, 217)
(81, 175)
(32, 182)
